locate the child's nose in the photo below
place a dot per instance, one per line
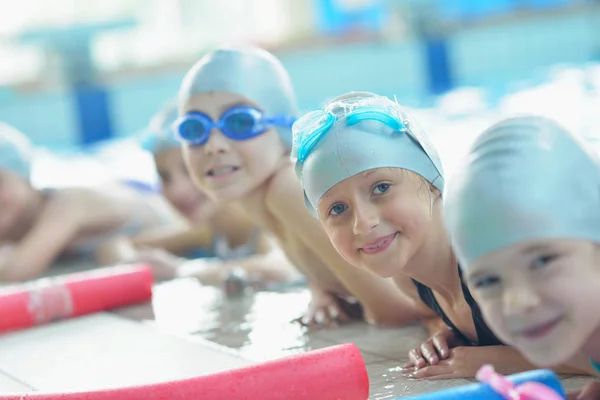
(366, 217)
(216, 143)
(519, 298)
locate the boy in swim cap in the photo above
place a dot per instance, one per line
(37, 226)
(375, 182)
(176, 185)
(523, 212)
(237, 106)
(224, 234)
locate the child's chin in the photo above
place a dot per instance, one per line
(545, 359)
(231, 194)
(383, 272)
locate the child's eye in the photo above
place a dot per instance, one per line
(381, 188)
(337, 209)
(542, 261)
(486, 282)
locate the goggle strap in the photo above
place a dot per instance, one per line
(285, 121)
(363, 115)
(313, 138)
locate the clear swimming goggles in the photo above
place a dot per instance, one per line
(312, 127)
(237, 123)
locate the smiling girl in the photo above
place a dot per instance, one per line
(374, 181)
(523, 211)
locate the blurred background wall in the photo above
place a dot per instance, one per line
(74, 73)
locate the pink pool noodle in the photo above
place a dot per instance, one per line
(334, 373)
(49, 299)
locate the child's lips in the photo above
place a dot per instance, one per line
(378, 245)
(540, 330)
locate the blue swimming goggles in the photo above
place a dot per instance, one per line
(237, 123)
(312, 127)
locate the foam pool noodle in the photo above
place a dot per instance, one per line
(333, 373)
(49, 299)
(483, 391)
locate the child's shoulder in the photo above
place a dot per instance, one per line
(64, 205)
(284, 190)
(72, 195)
(73, 200)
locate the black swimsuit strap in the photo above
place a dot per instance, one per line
(485, 336)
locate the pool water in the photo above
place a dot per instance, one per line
(258, 326)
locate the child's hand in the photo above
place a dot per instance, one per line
(462, 362)
(591, 391)
(432, 351)
(164, 264)
(323, 310)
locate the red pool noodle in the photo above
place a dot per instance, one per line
(49, 299)
(333, 373)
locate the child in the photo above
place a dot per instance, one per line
(37, 226)
(374, 181)
(523, 211)
(236, 108)
(222, 233)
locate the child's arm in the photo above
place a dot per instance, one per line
(581, 362)
(464, 362)
(232, 224)
(269, 268)
(591, 391)
(115, 250)
(384, 303)
(434, 325)
(268, 265)
(178, 242)
(55, 228)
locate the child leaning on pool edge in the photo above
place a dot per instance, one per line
(223, 234)
(38, 226)
(236, 107)
(374, 181)
(523, 211)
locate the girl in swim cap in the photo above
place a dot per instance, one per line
(237, 106)
(223, 233)
(37, 226)
(176, 184)
(375, 182)
(523, 212)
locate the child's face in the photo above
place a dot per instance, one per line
(15, 196)
(378, 219)
(230, 169)
(178, 188)
(541, 297)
